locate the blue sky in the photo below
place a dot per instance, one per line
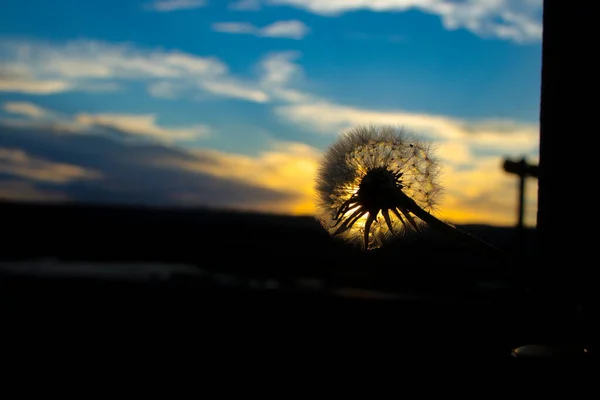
(232, 103)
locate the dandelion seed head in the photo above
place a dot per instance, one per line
(360, 177)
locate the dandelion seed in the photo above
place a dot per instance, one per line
(378, 182)
(370, 181)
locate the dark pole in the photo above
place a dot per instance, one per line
(520, 224)
(523, 170)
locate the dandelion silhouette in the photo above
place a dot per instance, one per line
(378, 182)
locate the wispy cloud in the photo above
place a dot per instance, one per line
(143, 125)
(280, 75)
(235, 90)
(88, 65)
(292, 29)
(174, 5)
(41, 67)
(132, 126)
(245, 5)
(24, 108)
(493, 136)
(516, 20)
(16, 76)
(165, 90)
(18, 163)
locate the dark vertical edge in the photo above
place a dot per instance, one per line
(566, 207)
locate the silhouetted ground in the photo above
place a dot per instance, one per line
(245, 243)
(229, 276)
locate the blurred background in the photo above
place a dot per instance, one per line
(230, 104)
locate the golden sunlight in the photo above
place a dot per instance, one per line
(483, 194)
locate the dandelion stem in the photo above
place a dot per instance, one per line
(460, 235)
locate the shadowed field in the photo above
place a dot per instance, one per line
(212, 273)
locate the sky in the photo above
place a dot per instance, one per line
(231, 104)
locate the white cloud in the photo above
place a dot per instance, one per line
(97, 61)
(163, 90)
(492, 135)
(245, 5)
(279, 74)
(143, 125)
(278, 69)
(34, 87)
(173, 5)
(25, 108)
(292, 29)
(516, 20)
(38, 67)
(235, 90)
(18, 77)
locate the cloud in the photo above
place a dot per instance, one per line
(279, 74)
(18, 190)
(286, 167)
(16, 77)
(34, 86)
(279, 69)
(330, 118)
(143, 125)
(486, 190)
(174, 5)
(235, 90)
(24, 108)
(127, 126)
(245, 5)
(16, 162)
(516, 20)
(127, 173)
(102, 60)
(41, 67)
(164, 90)
(292, 29)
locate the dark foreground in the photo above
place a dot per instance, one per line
(209, 281)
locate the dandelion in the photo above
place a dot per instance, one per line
(378, 182)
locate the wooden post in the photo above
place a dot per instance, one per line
(523, 170)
